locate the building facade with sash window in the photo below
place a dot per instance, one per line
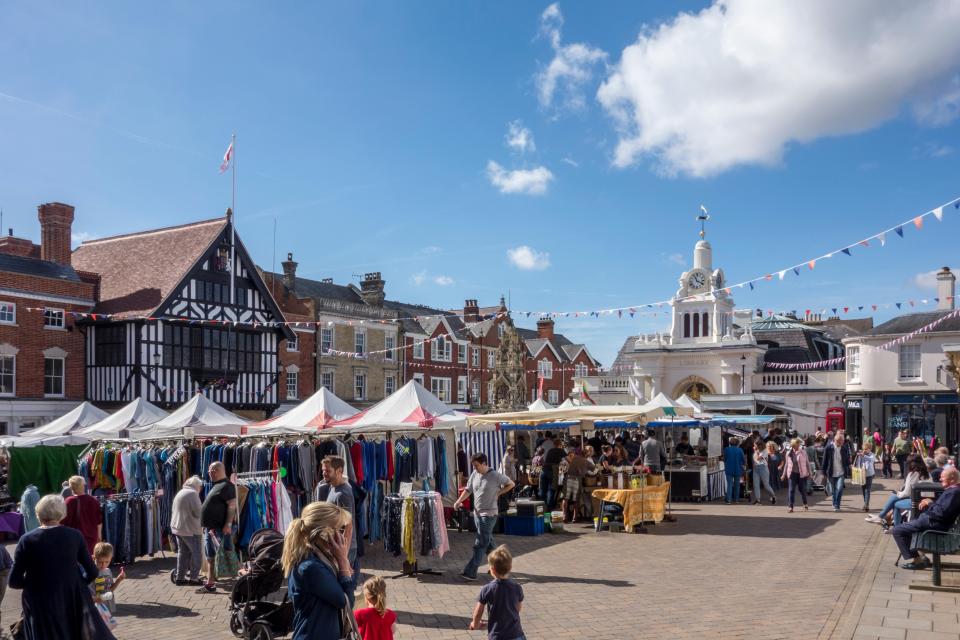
(181, 310)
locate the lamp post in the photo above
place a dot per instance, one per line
(743, 371)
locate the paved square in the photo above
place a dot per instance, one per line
(720, 571)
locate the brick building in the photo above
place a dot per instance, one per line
(41, 347)
(557, 360)
(354, 351)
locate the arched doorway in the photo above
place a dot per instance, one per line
(693, 387)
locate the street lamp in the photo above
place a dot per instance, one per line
(743, 371)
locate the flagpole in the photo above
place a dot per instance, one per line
(233, 219)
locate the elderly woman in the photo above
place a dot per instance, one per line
(83, 512)
(796, 470)
(185, 525)
(52, 566)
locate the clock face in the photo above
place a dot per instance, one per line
(696, 280)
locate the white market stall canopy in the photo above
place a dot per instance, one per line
(316, 413)
(410, 407)
(201, 414)
(595, 413)
(138, 413)
(569, 403)
(83, 415)
(690, 403)
(539, 405)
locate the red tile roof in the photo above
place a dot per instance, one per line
(138, 271)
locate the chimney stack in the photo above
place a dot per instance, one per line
(545, 328)
(946, 288)
(289, 272)
(371, 289)
(56, 220)
(471, 311)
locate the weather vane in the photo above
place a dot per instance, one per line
(703, 217)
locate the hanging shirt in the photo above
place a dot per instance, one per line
(425, 466)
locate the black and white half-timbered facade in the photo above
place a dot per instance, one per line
(181, 310)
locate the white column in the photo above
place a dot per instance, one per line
(728, 383)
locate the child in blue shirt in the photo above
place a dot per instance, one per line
(503, 599)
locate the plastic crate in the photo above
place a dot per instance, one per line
(522, 526)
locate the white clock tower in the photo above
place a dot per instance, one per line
(702, 309)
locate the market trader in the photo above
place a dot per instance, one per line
(486, 485)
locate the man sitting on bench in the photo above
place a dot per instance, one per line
(936, 516)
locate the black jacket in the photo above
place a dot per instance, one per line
(944, 512)
(828, 460)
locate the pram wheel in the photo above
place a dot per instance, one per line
(173, 576)
(236, 623)
(260, 631)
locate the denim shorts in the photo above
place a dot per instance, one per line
(211, 542)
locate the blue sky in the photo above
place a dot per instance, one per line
(377, 136)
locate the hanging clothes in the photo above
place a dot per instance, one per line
(414, 525)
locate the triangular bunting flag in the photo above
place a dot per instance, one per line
(846, 309)
(782, 273)
(860, 308)
(938, 212)
(811, 264)
(834, 311)
(898, 304)
(918, 222)
(874, 307)
(864, 243)
(936, 299)
(883, 239)
(846, 251)
(751, 286)
(899, 231)
(796, 270)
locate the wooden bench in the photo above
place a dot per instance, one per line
(938, 543)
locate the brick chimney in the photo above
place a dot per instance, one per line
(56, 220)
(371, 289)
(545, 328)
(289, 272)
(471, 311)
(11, 245)
(946, 288)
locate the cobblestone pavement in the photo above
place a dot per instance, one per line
(738, 571)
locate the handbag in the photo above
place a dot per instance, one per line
(858, 475)
(348, 625)
(227, 562)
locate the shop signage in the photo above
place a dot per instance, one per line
(854, 404)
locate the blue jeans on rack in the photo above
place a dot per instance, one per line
(482, 545)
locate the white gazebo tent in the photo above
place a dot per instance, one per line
(316, 413)
(84, 415)
(690, 403)
(539, 405)
(138, 413)
(202, 415)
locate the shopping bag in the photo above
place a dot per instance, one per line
(858, 475)
(348, 625)
(227, 562)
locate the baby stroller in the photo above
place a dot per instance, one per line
(251, 616)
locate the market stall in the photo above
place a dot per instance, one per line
(198, 416)
(82, 416)
(137, 413)
(318, 412)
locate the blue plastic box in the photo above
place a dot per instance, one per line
(523, 526)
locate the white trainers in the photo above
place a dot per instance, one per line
(873, 518)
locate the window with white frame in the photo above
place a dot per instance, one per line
(389, 385)
(53, 376)
(475, 391)
(491, 358)
(8, 374)
(360, 385)
(360, 342)
(8, 313)
(853, 364)
(462, 353)
(418, 378)
(441, 349)
(326, 340)
(909, 362)
(461, 390)
(417, 349)
(490, 397)
(581, 370)
(294, 345)
(293, 384)
(389, 343)
(545, 369)
(440, 387)
(475, 357)
(53, 318)
(500, 330)
(326, 380)
(553, 396)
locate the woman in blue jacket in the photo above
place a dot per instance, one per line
(836, 466)
(315, 559)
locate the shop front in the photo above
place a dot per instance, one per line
(924, 415)
(854, 416)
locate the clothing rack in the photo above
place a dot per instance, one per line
(412, 569)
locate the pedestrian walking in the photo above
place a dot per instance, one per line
(796, 470)
(761, 473)
(83, 512)
(502, 598)
(886, 460)
(901, 449)
(486, 485)
(376, 622)
(867, 461)
(774, 464)
(836, 465)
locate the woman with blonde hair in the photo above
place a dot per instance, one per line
(796, 470)
(319, 577)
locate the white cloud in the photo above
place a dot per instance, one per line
(528, 259)
(79, 237)
(422, 277)
(737, 82)
(530, 181)
(443, 281)
(927, 279)
(419, 278)
(431, 250)
(677, 258)
(519, 138)
(933, 150)
(570, 161)
(571, 67)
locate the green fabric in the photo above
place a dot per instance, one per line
(44, 467)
